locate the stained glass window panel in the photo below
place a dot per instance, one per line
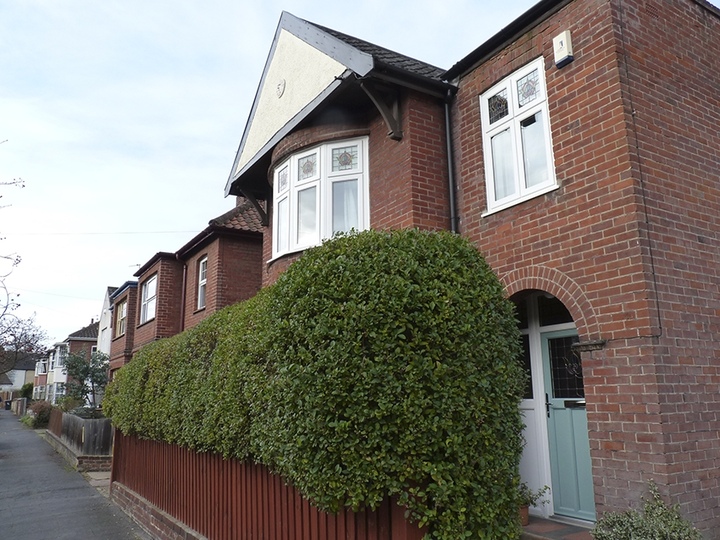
(498, 106)
(528, 88)
(345, 159)
(567, 377)
(283, 179)
(307, 167)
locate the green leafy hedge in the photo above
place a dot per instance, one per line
(381, 363)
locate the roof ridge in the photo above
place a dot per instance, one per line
(385, 55)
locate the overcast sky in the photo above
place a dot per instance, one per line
(123, 118)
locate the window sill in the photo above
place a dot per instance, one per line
(288, 253)
(520, 200)
(145, 323)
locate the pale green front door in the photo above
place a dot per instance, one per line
(570, 466)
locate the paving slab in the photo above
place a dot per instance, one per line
(41, 496)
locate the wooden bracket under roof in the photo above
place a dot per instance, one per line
(387, 101)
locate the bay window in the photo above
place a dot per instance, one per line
(318, 193)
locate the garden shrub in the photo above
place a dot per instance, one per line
(380, 364)
(68, 403)
(26, 391)
(657, 521)
(394, 372)
(41, 413)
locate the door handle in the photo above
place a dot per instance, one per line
(547, 405)
(574, 404)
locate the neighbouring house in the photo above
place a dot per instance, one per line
(50, 380)
(124, 305)
(105, 322)
(22, 373)
(218, 267)
(578, 150)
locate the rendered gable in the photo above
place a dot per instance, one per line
(306, 64)
(296, 75)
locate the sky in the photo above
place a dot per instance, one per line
(122, 118)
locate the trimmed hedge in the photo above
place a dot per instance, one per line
(381, 363)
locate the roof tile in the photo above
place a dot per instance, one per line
(243, 217)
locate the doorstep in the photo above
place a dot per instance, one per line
(548, 529)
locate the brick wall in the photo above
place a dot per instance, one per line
(121, 346)
(629, 240)
(234, 274)
(670, 62)
(169, 300)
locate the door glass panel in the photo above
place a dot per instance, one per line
(528, 394)
(521, 310)
(566, 369)
(552, 311)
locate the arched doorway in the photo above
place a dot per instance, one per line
(557, 450)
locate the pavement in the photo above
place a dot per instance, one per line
(546, 529)
(41, 496)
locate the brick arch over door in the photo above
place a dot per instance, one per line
(562, 287)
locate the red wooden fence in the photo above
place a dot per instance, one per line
(230, 500)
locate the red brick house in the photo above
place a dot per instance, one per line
(578, 149)
(174, 291)
(50, 380)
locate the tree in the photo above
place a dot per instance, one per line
(8, 262)
(18, 338)
(86, 378)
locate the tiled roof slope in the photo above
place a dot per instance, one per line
(89, 332)
(388, 57)
(243, 217)
(27, 362)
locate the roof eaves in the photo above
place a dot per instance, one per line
(531, 18)
(155, 258)
(122, 288)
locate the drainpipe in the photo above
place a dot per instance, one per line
(451, 170)
(182, 294)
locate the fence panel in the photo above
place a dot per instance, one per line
(229, 500)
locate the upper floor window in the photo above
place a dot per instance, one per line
(318, 193)
(148, 300)
(121, 318)
(202, 282)
(62, 353)
(516, 138)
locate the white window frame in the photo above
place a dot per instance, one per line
(286, 231)
(121, 319)
(512, 122)
(202, 282)
(148, 304)
(62, 353)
